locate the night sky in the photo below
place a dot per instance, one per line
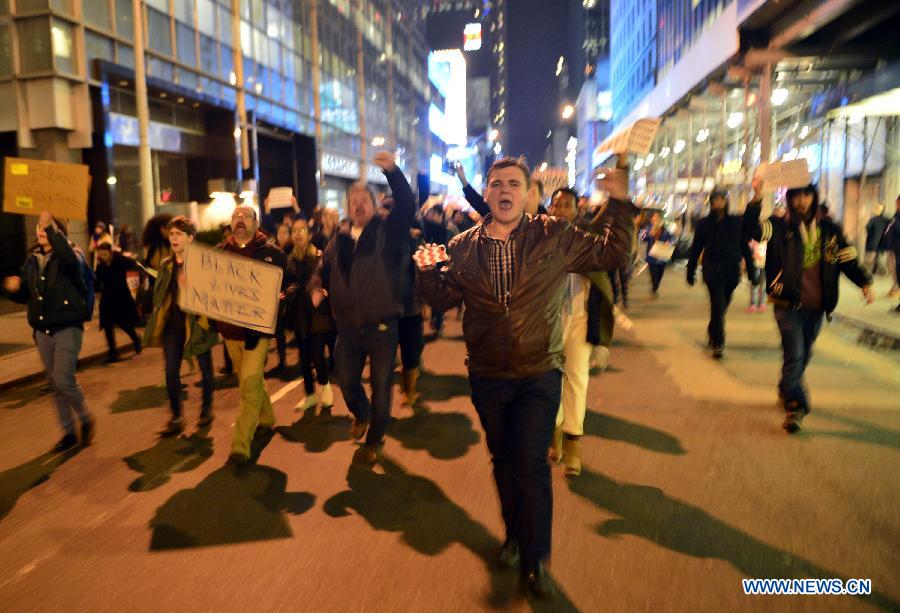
(536, 38)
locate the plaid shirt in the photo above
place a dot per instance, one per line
(502, 260)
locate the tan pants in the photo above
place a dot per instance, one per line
(256, 407)
(576, 369)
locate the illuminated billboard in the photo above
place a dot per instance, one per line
(472, 37)
(447, 71)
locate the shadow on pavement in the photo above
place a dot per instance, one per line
(142, 398)
(229, 506)
(317, 433)
(427, 520)
(647, 512)
(859, 431)
(169, 455)
(616, 429)
(438, 387)
(18, 398)
(18, 480)
(444, 436)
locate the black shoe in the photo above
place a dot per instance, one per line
(718, 351)
(111, 358)
(537, 583)
(237, 460)
(65, 443)
(793, 421)
(173, 428)
(88, 430)
(373, 453)
(206, 418)
(226, 371)
(136, 343)
(508, 558)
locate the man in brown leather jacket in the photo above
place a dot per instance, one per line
(511, 274)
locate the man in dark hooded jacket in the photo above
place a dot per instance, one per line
(806, 254)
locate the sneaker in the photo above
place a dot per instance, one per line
(326, 395)
(308, 402)
(65, 443)
(718, 351)
(88, 430)
(537, 583)
(206, 418)
(358, 429)
(762, 308)
(138, 347)
(752, 308)
(508, 557)
(237, 460)
(793, 421)
(173, 428)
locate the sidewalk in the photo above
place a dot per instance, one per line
(19, 359)
(877, 324)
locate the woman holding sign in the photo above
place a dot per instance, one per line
(180, 334)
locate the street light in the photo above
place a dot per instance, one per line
(543, 167)
(679, 146)
(568, 111)
(779, 96)
(493, 135)
(735, 119)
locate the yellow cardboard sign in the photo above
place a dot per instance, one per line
(32, 186)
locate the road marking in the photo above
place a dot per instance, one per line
(285, 389)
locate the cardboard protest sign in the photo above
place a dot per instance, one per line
(32, 186)
(280, 198)
(791, 174)
(231, 288)
(636, 138)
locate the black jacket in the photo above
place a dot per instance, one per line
(57, 295)
(875, 233)
(367, 280)
(722, 244)
(117, 307)
(784, 256)
(892, 234)
(475, 200)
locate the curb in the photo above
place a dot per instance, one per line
(872, 336)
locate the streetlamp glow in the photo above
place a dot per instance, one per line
(493, 135)
(568, 111)
(664, 153)
(779, 96)
(735, 119)
(679, 146)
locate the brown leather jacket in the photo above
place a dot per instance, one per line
(525, 338)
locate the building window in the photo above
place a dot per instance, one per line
(97, 14)
(159, 36)
(35, 48)
(125, 21)
(98, 47)
(125, 55)
(5, 51)
(187, 51)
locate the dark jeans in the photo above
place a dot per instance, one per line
(518, 417)
(620, 278)
(110, 332)
(379, 343)
(799, 329)
(281, 340)
(411, 337)
(657, 270)
(173, 350)
(312, 355)
(719, 298)
(59, 353)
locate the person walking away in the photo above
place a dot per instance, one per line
(757, 277)
(249, 348)
(100, 236)
(181, 335)
(363, 272)
(806, 254)
(720, 245)
(117, 306)
(657, 233)
(511, 274)
(54, 283)
(310, 324)
(875, 243)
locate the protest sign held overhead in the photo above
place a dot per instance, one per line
(636, 138)
(791, 174)
(231, 288)
(32, 186)
(280, 198)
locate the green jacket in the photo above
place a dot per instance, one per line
(200, 335)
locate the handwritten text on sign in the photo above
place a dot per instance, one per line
(32, 186)
(790, 174)
(231, 288)
(636, 138)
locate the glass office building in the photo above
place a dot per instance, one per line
(67, 94)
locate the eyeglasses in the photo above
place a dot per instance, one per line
(301, 230)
